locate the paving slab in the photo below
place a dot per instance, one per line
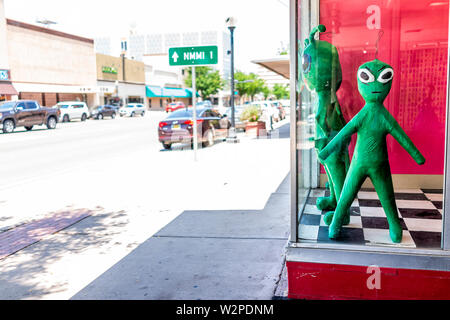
(218, 255)
(27, 234)
(269, 223)
(191, 269)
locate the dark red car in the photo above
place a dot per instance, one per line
(26, 113)
(173, 106)
(178, 127)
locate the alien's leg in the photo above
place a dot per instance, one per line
(382, 180)
(355, 178)
(338, 172)
(327, 203)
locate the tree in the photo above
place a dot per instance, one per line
(240, 86)
(249, 84)
(256, 86)
(280, 91)
(266, 91)
(208, 81)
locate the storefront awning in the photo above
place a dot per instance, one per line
(8, 88)
(160, 92)
(279, 65)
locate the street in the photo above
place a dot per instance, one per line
(120, 187)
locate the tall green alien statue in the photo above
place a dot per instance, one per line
(321, 71)
(372, 124)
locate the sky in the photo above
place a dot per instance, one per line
(262, 25)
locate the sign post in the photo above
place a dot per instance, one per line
(193, 56)
(194, 114)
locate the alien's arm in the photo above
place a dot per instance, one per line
(321, 119)
(341, 138)
(397, 132)
(337, 106)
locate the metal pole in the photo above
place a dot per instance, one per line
(232, 132)
(294, 36)
(233, 123)
(194, 114)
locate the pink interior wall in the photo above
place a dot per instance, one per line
(415, 45)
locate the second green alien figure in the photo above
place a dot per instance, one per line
(370, 159)
(321, 73)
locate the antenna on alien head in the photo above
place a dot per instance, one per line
(380, 35)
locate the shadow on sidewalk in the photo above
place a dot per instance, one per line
(217, 254)
(18, 271)
(282, 132)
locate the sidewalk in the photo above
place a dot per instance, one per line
(205, 255)
(220, 236)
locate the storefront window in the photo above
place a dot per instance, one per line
(412, 37)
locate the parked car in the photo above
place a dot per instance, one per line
(178, 127)
(132, 109)
(204, 104)
(238, 123)
(71, 110)
(275, 111)
(286, 105)
(103, 111)
(173, 106)
(116, 108)
(269, 111)
(281, 110)
(26, 113)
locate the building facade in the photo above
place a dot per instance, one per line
(50, 66)
(152, 49)
(120, 80)
(7, 90)
(158, 44)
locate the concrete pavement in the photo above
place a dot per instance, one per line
(216, 255)
(132, 189)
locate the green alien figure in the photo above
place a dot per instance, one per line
(321, 72)
(372, 124)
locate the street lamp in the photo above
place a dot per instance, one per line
(232, 138)
(45, 22)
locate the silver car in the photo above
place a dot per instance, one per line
(239, 124)
(132, 109)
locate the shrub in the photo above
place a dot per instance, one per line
(251, 113)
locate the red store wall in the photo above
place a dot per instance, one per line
(414, 43)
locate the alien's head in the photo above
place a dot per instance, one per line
(321, 69)
(375, 80)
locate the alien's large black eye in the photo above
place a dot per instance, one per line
(386, 75)
(365, 76)
(306, 63)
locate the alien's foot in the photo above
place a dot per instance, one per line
(328, 218)
(396, 233)
(326, 203)
(333, 231)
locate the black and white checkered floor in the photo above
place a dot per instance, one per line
(420, 212)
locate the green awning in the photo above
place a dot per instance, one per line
(160, 92)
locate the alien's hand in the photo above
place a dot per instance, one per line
(323, 155)
(320, 133)
(420, 159)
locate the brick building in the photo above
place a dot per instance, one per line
(46, 65)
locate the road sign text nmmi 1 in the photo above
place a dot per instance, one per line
(193, 56)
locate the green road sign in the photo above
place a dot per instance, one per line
(193, 56)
